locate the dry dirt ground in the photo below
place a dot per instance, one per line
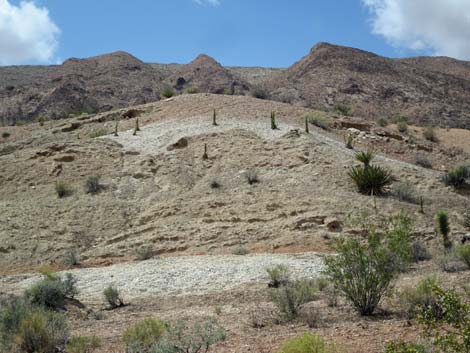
(159, 195)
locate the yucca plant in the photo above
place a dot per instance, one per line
(457, 176)
(371, 180)
(273, 121)
(365, 157)
(442, 220)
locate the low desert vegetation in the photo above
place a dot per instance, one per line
(72, 258)
(93, 185)
(419, 296)
(251, 176)
(279, 275)
(463, 252)
(457, 177)
(318, 119)
(273, 121)
(5, 134)
(402, 125)
(168, 92)
(215, 184)
(62, 189)
(349, 142)
(429, 133)
(98, 133)
(144, 253)
(259, 92)
(240, 250)
(83, 344)
(191, 90)
(113, 297)
(423, 161)
(385, 254)
(291, 297)
(405, 192)
(342, 109)
(370, 179)
(308, 343)
(142, 336)
(382, 122)
(443, 226)
(419, 252)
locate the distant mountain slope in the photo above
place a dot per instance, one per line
(425, 90)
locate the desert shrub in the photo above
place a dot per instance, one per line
(113, 297)
(430, 134)
(442, 220)
(251, 176)
(217, 309)
(98, 133)
(405, 192)
(331, 294)
(240, 251)
(419, 252)
(423, 161)
(457, 177)
(144, 253)
(72, 258)
(402, 125)
(62, 189)
(184, 338)
(321, 283)
(43, 332)
(318, 120)
(260, 92)
(311, 316)
(168, 92)
(142, 336)
(370, 180)
(382, 122)
(291, 297)
(92, 184)
(13, 311)
(41, 120)
(52, 291)
(448, 326)
(279, 275)
(5, 134)
(349, 142)
(273, 121)
(463, 252)
(260, 317)
(406, 347)
(450, 262)
(191, 90)
(466, 219)
(83, 344)
(365, 158)
(342, 109)
(363, 272)
(214, 184)
(414, 299)
(308, 343)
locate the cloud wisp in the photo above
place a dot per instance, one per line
(27, 34)
(208, 2)
(439, 26)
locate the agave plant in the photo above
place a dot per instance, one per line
(371, 180)
(365, 157)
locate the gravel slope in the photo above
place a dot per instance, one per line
(178, 275)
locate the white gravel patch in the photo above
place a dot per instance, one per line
(181, 275)
(154, 138)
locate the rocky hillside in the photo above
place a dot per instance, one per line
(425, 90)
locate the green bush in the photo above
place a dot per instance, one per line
(13, 311)
(382, 122)
(405, 347)
(308, 343)
(72, 258)
(342, 109)
(402, 125)
(273, 121)
(415, 299)
(365, 158)
(279, 275)
(183, 338)
(142, 336)
(62, 189)
(43, 332)
(318, 120)
(92, 184)
(457, 177)
(371, 180)
(52, 291)
(113, 297)
(83, 344)
(463, 252)
(191, 90)
(168, 92)
(430, 134)
(6, 134)
(349, 142)
(290, 298)
(363, 272)
(442, 220)
(451, 262)
(240, 251)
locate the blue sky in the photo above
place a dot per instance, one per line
(235, 32)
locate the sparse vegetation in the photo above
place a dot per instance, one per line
(364, 272)
(83, 344)
(371, 180)
(72, 258)
(463, 252)
(214, 118)
(414, 299)
(342, 109)
(307, 130)
(466, 219)
(319, 120)
(62, 189)
(251, 176)
(402, 125)
(406, 347)
(215, 184)
(419, 252)
(273, 121)
(443, 226)
(429, 133)
(144, 253)
(308, 343)
(240, 251)
(451, 262)
(113, 297)
(143, 336)
(423, 161)
(349, 142)
(259, 92)
(291, 297)
(205, 156)
(405, 192)
(457, 177)
(5, 134)
(168, 92)
(191, 90)
(92, 184)
(382, 122)
(279, 275)
(365, 157)
(98, 133)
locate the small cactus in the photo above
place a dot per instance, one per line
(349, 142)
(205, 156)
(214, 118)
(306, 125)
(273, 121)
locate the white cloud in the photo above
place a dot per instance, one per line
(442, 26)
(207, 2)
(27, 33)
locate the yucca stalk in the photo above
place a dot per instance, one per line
(273, 121)
(214, 118)
(442, 219)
